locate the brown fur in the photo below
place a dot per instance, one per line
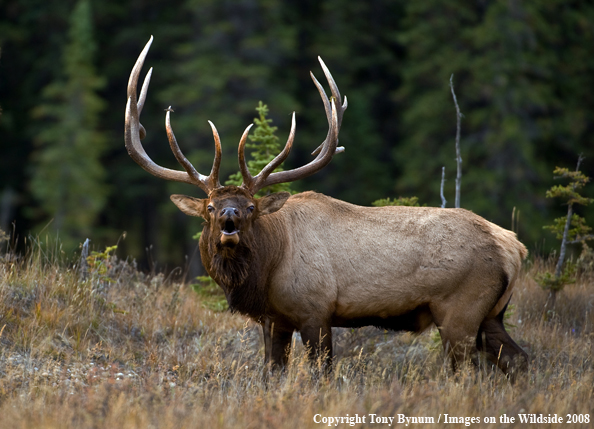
(318, 262)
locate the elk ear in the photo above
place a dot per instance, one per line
(190, 205)
(272, 203)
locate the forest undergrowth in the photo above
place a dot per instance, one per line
(130, 350)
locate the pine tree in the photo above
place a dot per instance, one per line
(67, 175)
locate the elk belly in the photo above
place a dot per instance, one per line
(230, 239)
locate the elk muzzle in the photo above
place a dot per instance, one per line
(229, 223)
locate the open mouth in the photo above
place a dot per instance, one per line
(229, 228)
(229, 234)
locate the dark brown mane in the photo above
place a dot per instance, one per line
(236, 271)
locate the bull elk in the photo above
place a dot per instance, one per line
(309, 262)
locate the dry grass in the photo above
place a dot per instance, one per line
(127, 350)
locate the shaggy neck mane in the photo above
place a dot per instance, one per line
(238, 271)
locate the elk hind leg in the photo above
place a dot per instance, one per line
(500, 348)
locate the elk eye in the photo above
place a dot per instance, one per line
(210, 208)
(250, 208)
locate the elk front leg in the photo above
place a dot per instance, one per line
(318, 339)
(277, 341)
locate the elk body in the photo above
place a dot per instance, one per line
(308, 262)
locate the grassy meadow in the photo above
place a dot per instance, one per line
(123, 349)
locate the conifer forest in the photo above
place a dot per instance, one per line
(521, 73)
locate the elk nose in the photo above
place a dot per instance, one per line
(229, 211)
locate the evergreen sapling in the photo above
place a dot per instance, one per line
(266, 146)
(570, 229)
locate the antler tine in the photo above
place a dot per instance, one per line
(216, 164)
(142, 99)
(326, 101)
(133, 80)
(144, 90)
(336, 95)
(248, 179)
(278, 160)
(196, 177)
(334, 89)
(134, 132)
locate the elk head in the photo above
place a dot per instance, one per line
(229, 210)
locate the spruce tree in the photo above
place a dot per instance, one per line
(266, 146)
(67, 177)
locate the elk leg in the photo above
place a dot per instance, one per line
(277, 341)
(500, 348)
(458, 332)
(459, 347)
(318, 338)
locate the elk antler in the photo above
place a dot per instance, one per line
(324, 152)
(134, 132)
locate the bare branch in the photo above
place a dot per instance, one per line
(458, 156)
(582, 239)
(580, 159)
